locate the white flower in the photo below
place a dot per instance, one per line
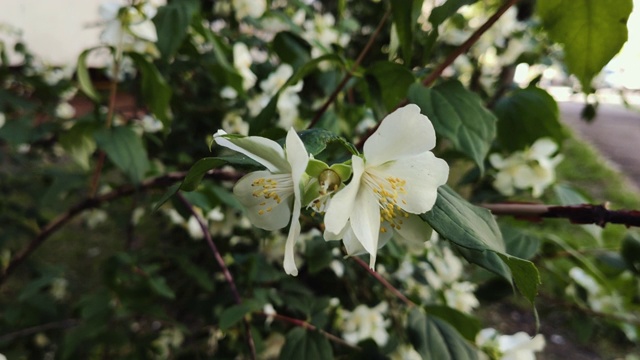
(366, 323)
(59, 288)
(64, 110)
(233, 124)
(273, 196)
(194, 228)
(270, 312)
(405, 352)
(519, 346)
(3, 119)
(586, 281)
(251, 8)
(242, 62)
(150, 124)
(95, 217)
(288, 100)
(127, 25)
(533, 168)
(397, 177)
(460, 296)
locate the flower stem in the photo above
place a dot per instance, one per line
(225, 270)
(349, 73)
(384, 282)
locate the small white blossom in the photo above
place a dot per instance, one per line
(242, 61)
(460, 296)
(169, 339)
(232, 123)
(366, 323)
(519, 346)
(250, 8)
(533, 168)
(127, 25)
(64, 110)
(3, 119)
(94, 217)
(405, 352)
(59, 288)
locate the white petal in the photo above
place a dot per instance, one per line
(145, 30)
(543, 148)
(365, 222)
(341, 206)
(266, 152)
(298, 158)
(423, 174)
(108, 11)
(112, 33)
(404, 132)
(274, 215)
(351, 243)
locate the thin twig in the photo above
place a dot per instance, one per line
(306, 325)
(89, 203)
(464, 47)
(577, 214)
(113, 91)
(349, 73)
(64, 324)
(225, 270)
(384, 282)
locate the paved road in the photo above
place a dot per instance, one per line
(615, 132)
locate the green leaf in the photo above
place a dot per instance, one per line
(393, 79)
(318, 254)
(79, 142)
(172, 190)
(435, 339)
(520, 243)
(404, 19)
(467, 325)
(630, 251)
(526, 115)
(592, 32)
(458, 115)
(172, 23)
(308, 345)
(487, 260)
(197, 171)
(125, 149)
(84, 79)
(155, 90)
(525, 275)
(233, 314)
(291, 49)
(159, 286)
(443, 12)
(202, 277)
(464, 224)
(316, 140)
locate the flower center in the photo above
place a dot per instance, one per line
(329, 182)
(273, 190)
(388, 190)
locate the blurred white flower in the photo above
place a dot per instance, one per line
(405, 352)
(270, 312)
(460, 296)
(137, 215)
(366, 323)
(169, 339)
(94, 217)
(586, 281)
(59, 288)
(228, 92)
(3, 119)
(250, 8)
(288, 101)
(64, 110)
(125, 25)
(242, 61)
(150, 124)
(232, 123)
(194, 228)
(519, 346)
(532, 168)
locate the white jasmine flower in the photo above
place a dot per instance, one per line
(194, 229)
(59, 288)
(169, 339)
(64, 110)
(94, 217)
(242, 61)
(519, 346)
(3, 119)
(533, 168)
(250, 8)
(150, 124)
(366, 323)
(398, 176)
(232, 123)
(228, 92)
(405, 352)
(270, 312)
(273, 196)
(125, 24)
(586, 281)
(288, 100)
(460, 296)
(137, 215)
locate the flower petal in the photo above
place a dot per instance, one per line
(341, 206)
(543, 148)
(265, 151)
(365, 222)
(145, 30)
(423, 174)
(298, 158)
(404, 132)
(414, 232)
(265, 213)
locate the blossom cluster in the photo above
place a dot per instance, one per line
(533, 168)
(394, 180)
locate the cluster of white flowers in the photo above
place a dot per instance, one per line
(129, 27)
(366, 323)
(533, 168)
(519, 346)
(395, 179)
(217, 222)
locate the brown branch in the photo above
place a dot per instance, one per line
(577, 214)
(89, 203)
(225, 270)
(349, 74)
(308, 326)
(464, 47)
(384, 282)
(64, 324)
